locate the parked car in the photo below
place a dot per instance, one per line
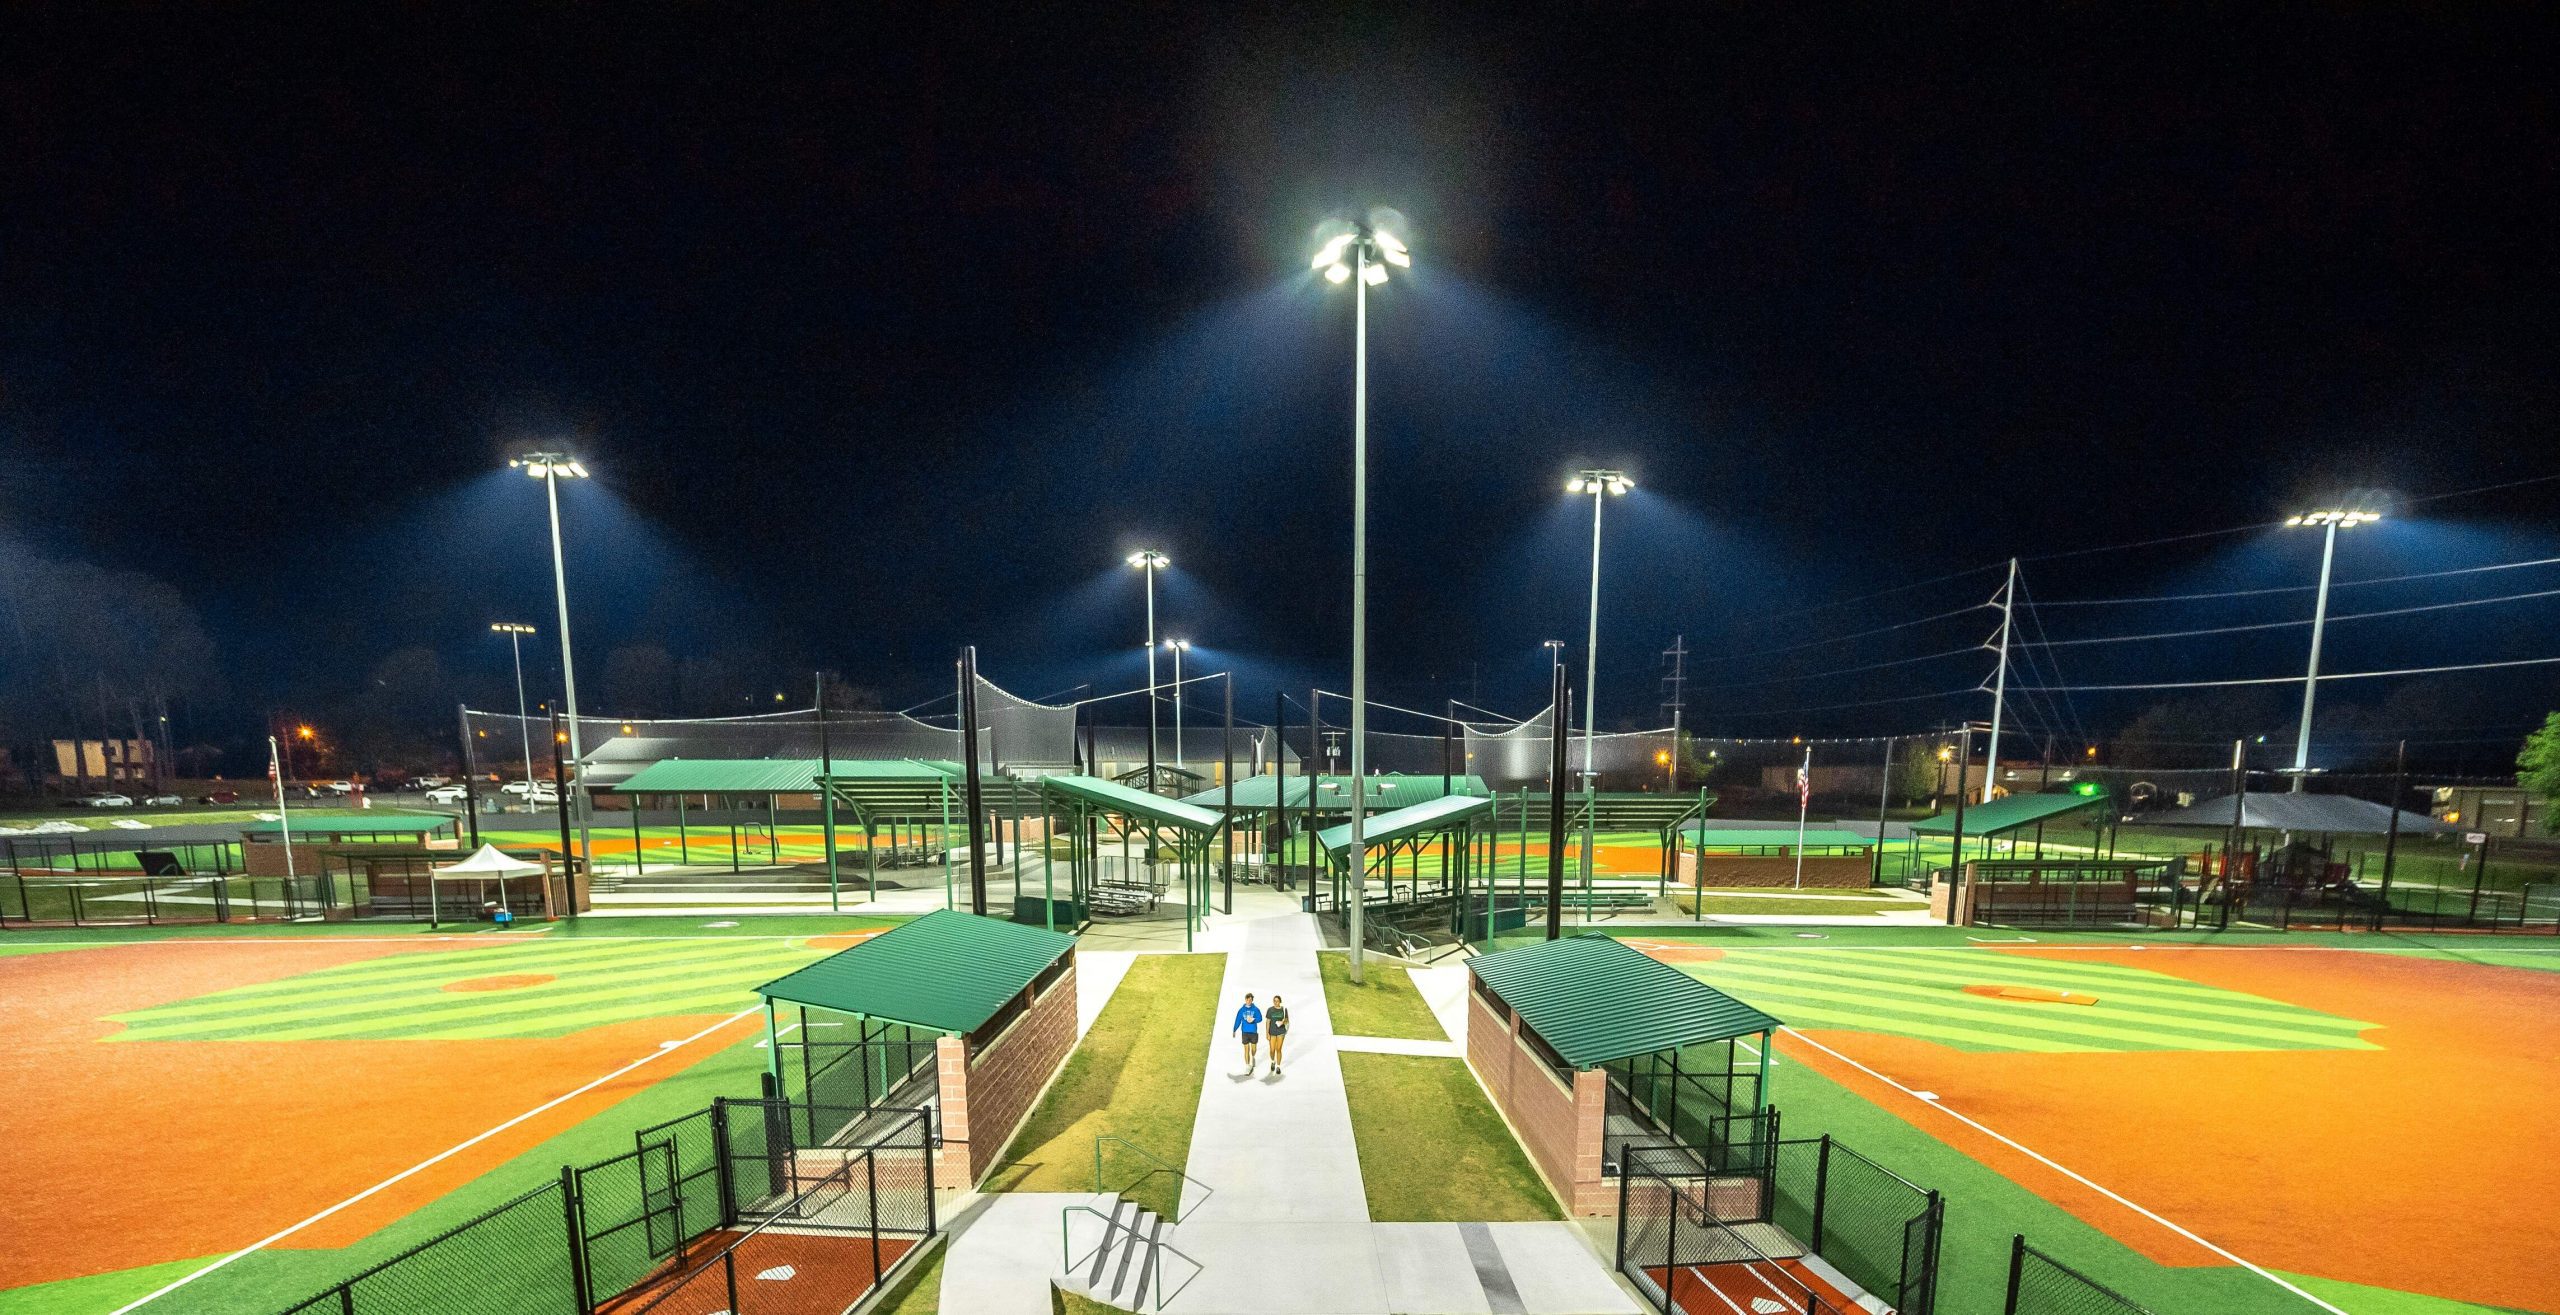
(544, 793)
(104, 800)
(334, 787)
(429, 782)
(164, 801)
(446, 794)
(219, 797)
(516, 787)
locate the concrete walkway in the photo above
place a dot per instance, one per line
(1244, 1118)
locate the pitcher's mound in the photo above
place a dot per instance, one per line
(501, 982)
(2039, 994)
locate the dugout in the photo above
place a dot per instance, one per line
(265, 844)
(1590, 1047)
(2012, 824)
(1448, 892)
(1121, 874)
(1279, 811)
(1728, 856)
(971, 1016)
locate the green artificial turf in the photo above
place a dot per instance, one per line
(1386, 1004)
(1135, 1076)
(1432, 1150)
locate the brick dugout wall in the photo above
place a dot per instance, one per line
(986, 1096)
(1830, 871)
(1561, 1126)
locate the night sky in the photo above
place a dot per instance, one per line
(894, 328)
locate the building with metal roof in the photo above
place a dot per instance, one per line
(970, 1015)
(1590, 1046)
(2302, 814)
(2010, 813)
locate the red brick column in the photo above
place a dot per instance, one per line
(986, 1096)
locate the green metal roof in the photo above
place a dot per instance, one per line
(1333, 793)
(1713, 838)
(1595, 1000)
(945, 972)
(723, 776)
(2008, 814)
(1405, 823)
(1113, 797)
(356, 824)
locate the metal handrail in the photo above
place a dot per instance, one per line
(1206, 1191)
(1069, 1262)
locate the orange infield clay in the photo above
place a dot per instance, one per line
(500, 982)
(128, 1155)
(2421, 1166)
(1676, 951)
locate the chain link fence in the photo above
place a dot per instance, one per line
(2042, 1285)
(1870, 1223)
(513, 1260)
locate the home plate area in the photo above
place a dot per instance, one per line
(771, 1271)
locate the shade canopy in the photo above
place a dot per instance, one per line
(2316, 814)
(945, 972)
(1428, 818)
(1113, 797)
(2008, 813)
(1595, 1000)
(1333, 793)
(489, 862)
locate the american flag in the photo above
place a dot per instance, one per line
(1804, 782)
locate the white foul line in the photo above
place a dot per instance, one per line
(2040, 1158)
(433, 1160)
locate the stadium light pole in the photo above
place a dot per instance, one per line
(1150, 561)
(551, 468)
(1178, 647)
(2330, 522)
(515, 631)
(1601, 485)
(1360, 257)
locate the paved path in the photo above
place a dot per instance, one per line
(1246, 1121)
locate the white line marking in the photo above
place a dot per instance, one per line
(2040, 1158)
(433, 1160)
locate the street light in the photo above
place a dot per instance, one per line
(1150, 561)
(1179, 647)
(2330, 522)
(1359, 255)
(1601, 485)
(515, 631)
(551, 468)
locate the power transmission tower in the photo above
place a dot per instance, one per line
(1678, 656)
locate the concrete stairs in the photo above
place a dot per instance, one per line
(1121, 1254)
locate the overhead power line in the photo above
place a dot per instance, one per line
(2304, 621)
(2324, 676)
(2302, 588)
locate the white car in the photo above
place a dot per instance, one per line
(515, 787)
(544, 793)
(334, 787)
(446, 794)
(164, 801)
(104, 801)
(429, 782)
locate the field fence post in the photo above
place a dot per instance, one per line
(346, 1299)
(1821, 1191)
(871, 1188)
(924, 1153)
(2017, 1267)
(572, 1221)
(729, 1274)
(725, 1173)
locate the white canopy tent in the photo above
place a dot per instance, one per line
(489, 865)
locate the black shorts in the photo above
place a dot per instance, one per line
(1252, 1037)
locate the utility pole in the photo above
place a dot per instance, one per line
(1677, 680)
(2000, 683)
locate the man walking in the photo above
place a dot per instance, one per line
(1248, 1028)
(1278, 1017)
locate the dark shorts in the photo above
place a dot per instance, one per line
(1251, 1037)
(1279, 1032)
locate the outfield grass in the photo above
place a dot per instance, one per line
(1135, 1076)
(1432, 1150)
(1385, 1005)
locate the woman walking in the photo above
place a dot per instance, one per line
(1276, 1019)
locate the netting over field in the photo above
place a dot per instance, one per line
(1012, 730)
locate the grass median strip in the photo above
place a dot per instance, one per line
(1432, 1150)
(1386, 1004)
(1135, 1076)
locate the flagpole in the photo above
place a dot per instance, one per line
(284, 824)
(1804, 800)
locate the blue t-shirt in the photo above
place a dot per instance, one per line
(1248, 1019)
